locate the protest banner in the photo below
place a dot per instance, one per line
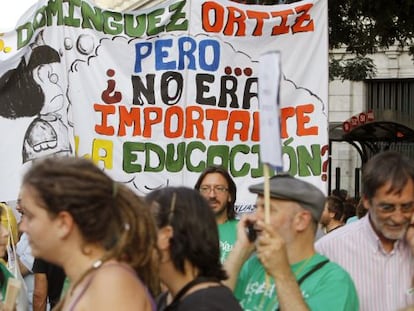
(155, 95)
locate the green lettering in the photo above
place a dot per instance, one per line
(178, 14)
(110, 25)
(70, 20)
(130, 156)
(309, 164)
(175, 164)
(290, 152)
(158, 152)
(221, 152)
(54, 7)
(91, 15)
(130, 28)
(245, 168)
(257, 171)
(40, 18)
(154, 18)
(190, 148)
(24, 34)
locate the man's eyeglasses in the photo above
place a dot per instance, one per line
(217, 189)
(390, 208)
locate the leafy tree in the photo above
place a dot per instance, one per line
(365, 27)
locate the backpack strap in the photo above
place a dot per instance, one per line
(309, 273)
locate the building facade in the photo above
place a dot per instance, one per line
(390, 95)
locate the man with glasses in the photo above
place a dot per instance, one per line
(378, 250)
(216, 185)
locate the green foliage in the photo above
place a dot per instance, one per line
(353, 69)
(364, 27)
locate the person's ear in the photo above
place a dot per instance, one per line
(366, 202)
(164, 236)
(65, 224)
(302, 220)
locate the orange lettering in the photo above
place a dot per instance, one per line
(259, 17)
(218, 11)
(282, 28)
(194, 122)
(256, 123)
(303, 119)
(233, 19)
(285, 113)
(215, 115)
(303, 17)
(103, 128)
(129, 118)
(148, 121)
(170, 113)
(242, 118)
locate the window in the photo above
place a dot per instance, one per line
(392, 100)
(395, 95)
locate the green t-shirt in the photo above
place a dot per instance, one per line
(227, 235)
(6, 275)
(329, 288)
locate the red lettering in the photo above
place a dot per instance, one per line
(149, 121)
(103, 128)
(302, 18)
(216, 115)
(283, 27)
(303, 119)
(235, 16)
(285, 114)
(256, 127)
(171, 112)
(210, 10)
(129, 118)
(194, 122)
(217, 18)
(259, 17)
(243, 119)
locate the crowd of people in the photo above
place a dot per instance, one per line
(87, 242)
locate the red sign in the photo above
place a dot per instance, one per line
(357, 120)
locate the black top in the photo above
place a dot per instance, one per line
(55, 279)
(217, 298)
(213, 298)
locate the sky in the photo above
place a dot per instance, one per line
(11, 11)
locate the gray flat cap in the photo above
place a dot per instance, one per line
(286, 187)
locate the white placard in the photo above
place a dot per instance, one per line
(269, 106)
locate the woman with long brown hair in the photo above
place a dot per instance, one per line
(98, 230)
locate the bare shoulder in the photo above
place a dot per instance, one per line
(116, 287)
